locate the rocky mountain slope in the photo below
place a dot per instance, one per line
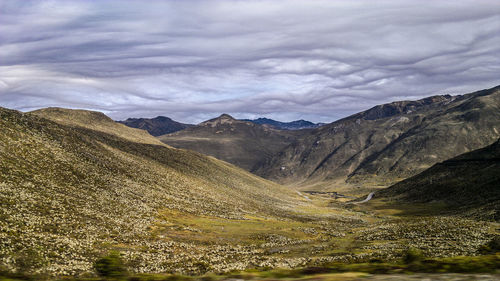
(241, 143)
(470, 181)
(389, 142)
(156, 126)
(293, 125)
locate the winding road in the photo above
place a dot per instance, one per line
(303, 195)
(368, 198)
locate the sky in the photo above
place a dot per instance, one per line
(286, 60)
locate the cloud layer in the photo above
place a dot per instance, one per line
(192, 60)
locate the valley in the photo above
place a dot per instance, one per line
(360, 153)
(249, 140)
(76, 185)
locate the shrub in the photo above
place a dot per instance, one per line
(412, 255)
(493, 246)
(111, 266)
(29, 260)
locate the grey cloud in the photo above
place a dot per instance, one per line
(192, 60)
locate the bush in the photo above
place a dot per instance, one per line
(491, 247)
(412, 255)
(29, 260)
(111, 266)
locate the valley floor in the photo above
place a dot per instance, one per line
(318, 230)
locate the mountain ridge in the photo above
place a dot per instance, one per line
(93, 120)
(162, 125)
(380, 146)
(292, 125)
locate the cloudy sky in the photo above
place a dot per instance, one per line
(192, 60)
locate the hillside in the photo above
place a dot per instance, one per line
(293, 125)
(72, 188)
(156, 126)
(96, 121)
(389, 142)
(468, 181)
(242, 143)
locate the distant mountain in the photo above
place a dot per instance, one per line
(242, 143)
(389, 142)
(468, 181)
(156, 126)
(294, 125)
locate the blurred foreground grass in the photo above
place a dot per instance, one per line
(335, 271)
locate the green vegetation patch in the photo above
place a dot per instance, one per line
(210, 229)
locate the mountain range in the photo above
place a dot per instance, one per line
(376, 147)
(293, 125)
(162, 125)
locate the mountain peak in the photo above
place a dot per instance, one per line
(225, 116)
(162, 118)
(157, 126)
(222, 119)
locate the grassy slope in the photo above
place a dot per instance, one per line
(95, 121)
(468, 181)
(69, 187)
